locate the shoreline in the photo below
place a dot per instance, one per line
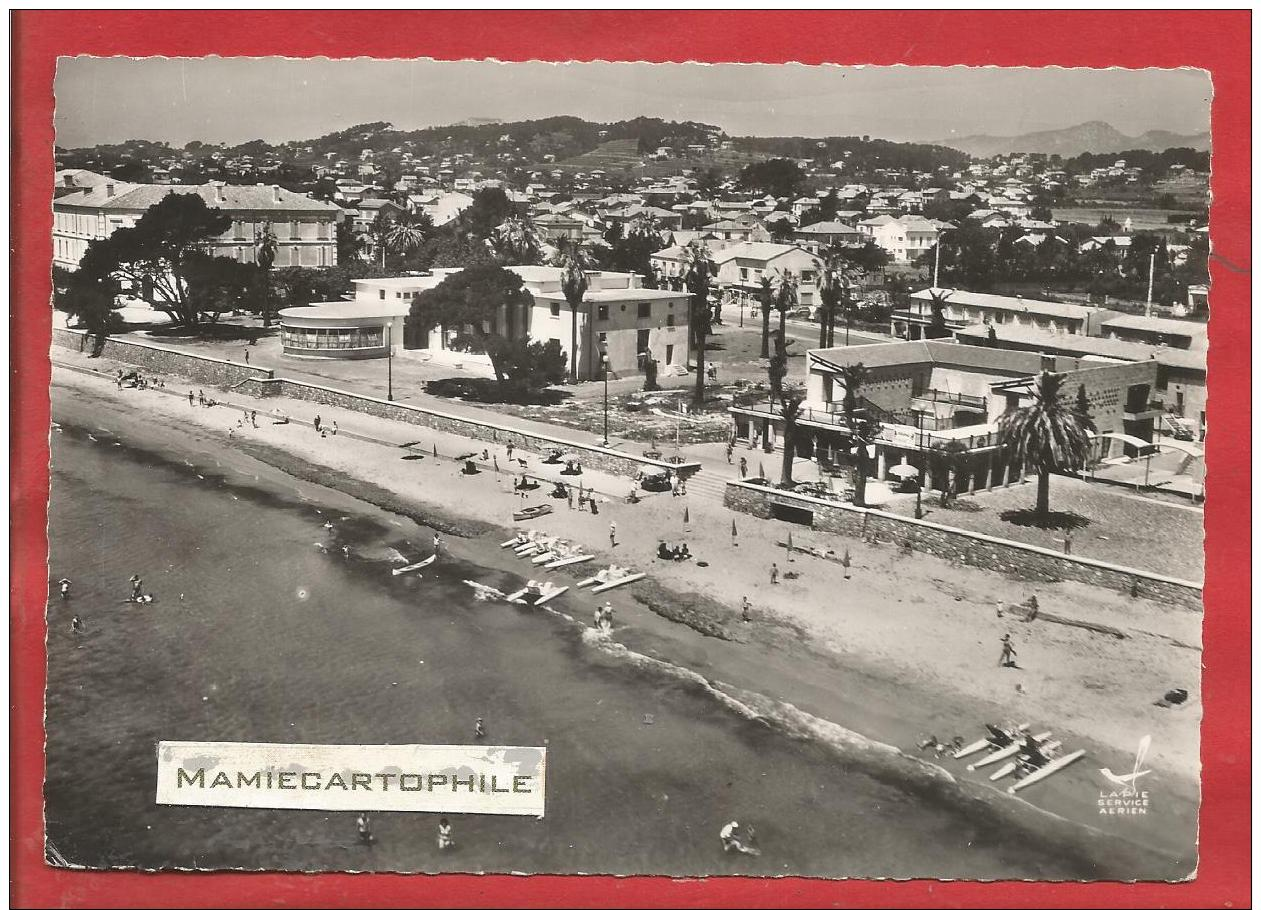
(877, 701)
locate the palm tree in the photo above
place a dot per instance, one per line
(266, 257)
(937, 327)
(408, 232)
(766, 297)
(862, 431)
(573, 284)
(829, 294)
(786, 296)
(951, 452)
(1048, 434)
(380, 230)
(516, 241)
(790, 400)
(698, 269)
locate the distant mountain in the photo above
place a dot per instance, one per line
(1094, 136)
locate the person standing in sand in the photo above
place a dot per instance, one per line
(1008, 658)
(745, 607)
(612, 533)
(317, 423)
(774, 574)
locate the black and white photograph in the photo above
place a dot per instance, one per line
(627, 468)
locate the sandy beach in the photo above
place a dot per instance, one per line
(911, 642)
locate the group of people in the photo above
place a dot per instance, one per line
(679, 554)
(322, 428)
(202, 399)
(138, 380)
(363, 827)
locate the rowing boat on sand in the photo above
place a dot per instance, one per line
(414, 566)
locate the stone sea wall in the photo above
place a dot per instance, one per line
(959, 546)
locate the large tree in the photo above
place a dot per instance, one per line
(776, 177)
(698, 271)
(91, 302)
(863, 430)
(472, 300)
(166, 256)
(1049, 434)
(408, 231)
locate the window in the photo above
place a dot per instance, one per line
(382, 293)
(602, 313)
(670, 320)
(645, 309)
(604, 337)
(556, 309)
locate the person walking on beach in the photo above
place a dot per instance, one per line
(745, 606)
(137, 586)
(774, 574)
(364, 828)
(317, 423)
(64, 585)
(201, 398)
(730, 450)
(845, 563)
(445, 840)
(1008, 657)
(334, 427)
(254, 419)
(744, 467)
(510, 449)
(247, 357)
(437, 542)
(1068, 541)
(612, 533)
(190, 398)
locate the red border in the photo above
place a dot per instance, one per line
(1216, 41)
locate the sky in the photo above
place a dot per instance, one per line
(232, 100)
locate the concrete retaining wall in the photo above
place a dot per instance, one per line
(966, 547)
(592, 457)
(208, 371)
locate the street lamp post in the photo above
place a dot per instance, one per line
(919, 482)
(604, 360)
(389, 361)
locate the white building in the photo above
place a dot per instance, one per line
(304, 228)
(905, 239)
(618, 316)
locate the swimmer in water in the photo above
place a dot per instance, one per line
(137, 585)
(364, 828)
(76, 624)
(64, 585)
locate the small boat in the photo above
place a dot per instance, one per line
(551, 595)
(1047, 770)
(570, 560)
(515, 542)
(544, 555)
(1013, 765)
(981, 744)
(1006, 752)
(532, 512)
(618, 582)
(414, 566)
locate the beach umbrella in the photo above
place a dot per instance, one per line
(733, 530)
(435, 450)
(761, 471)
(903, 471)
(790, 546)
(685, 515)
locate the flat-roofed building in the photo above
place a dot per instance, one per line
(964, 308)
(927, 395)
(618, 317)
